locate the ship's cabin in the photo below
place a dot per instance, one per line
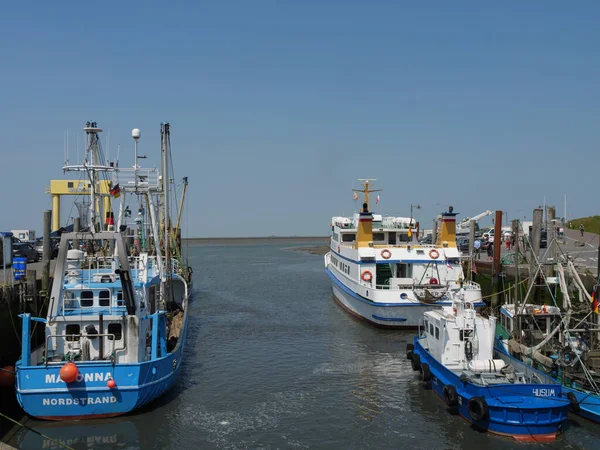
(536, 322)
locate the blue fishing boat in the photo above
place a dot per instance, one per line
(117, 317)
(454, 353)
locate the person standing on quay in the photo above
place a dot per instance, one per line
(490, 251)
(581, 229)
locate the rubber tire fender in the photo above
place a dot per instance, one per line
(425, 372)
(409, 351)
(478, 408)
(574, 403)
(450, 395)
(415, 362)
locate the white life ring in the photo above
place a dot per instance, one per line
(386, 254)
(433, 253)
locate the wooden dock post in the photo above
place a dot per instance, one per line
(32, 294)
(496, 262)
(47, 252)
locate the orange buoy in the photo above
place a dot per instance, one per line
(7, 376)
(69, 372)
(111, 383)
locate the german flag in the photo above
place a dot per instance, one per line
(116, 191)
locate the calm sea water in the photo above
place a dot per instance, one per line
(273, 362)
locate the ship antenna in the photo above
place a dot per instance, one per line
(367, 190)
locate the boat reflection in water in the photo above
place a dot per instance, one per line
(99, 434)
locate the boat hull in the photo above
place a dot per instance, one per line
(42, 394)
(526, 412)
(589, 403)
(380, 314)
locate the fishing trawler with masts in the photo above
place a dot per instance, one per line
(381, 273)
(561, 344)
(117, 316)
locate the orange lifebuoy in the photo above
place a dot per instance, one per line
(433, 253)
(338, 248)
(367, 276)
(386, 254)
(433, 280)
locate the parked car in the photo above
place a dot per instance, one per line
(463, 244)
(23, 250)
(426, 240)
(39, 247)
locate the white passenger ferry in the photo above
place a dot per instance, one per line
(381, 273)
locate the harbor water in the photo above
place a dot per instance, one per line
(273, 362)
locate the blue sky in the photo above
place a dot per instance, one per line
(277, 107)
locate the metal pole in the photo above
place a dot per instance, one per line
(47, 251)
(471, 242)
(76, 229)
(535, 236)
(515, 228)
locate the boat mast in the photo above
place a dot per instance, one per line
(366, 190)
(165, 134)
(185, 183)
(92, 131)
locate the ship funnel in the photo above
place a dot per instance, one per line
(447, 234)
(365, 228)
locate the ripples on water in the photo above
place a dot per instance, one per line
(272, 362)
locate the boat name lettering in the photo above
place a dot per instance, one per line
(541, 392)
(53, 401)
(340, 265)
(87, 377)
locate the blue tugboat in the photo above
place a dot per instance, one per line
(454, 353)
(117, 316)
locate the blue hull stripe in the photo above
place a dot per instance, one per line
(353, 294)
(397, 261)
(389, 319)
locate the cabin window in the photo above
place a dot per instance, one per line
(349, 237)
(437, 333)
(69, 299)
(404, 270)
(116, 329)
(431, 329)
(402, 237)
(87, 298)
(336, 237)
(120, 299)
(72, 331)
(104, 298)
(426, 325)
(378, 236)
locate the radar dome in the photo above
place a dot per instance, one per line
(135, 133)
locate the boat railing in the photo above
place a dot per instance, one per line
(451, 285)
(77, 338)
